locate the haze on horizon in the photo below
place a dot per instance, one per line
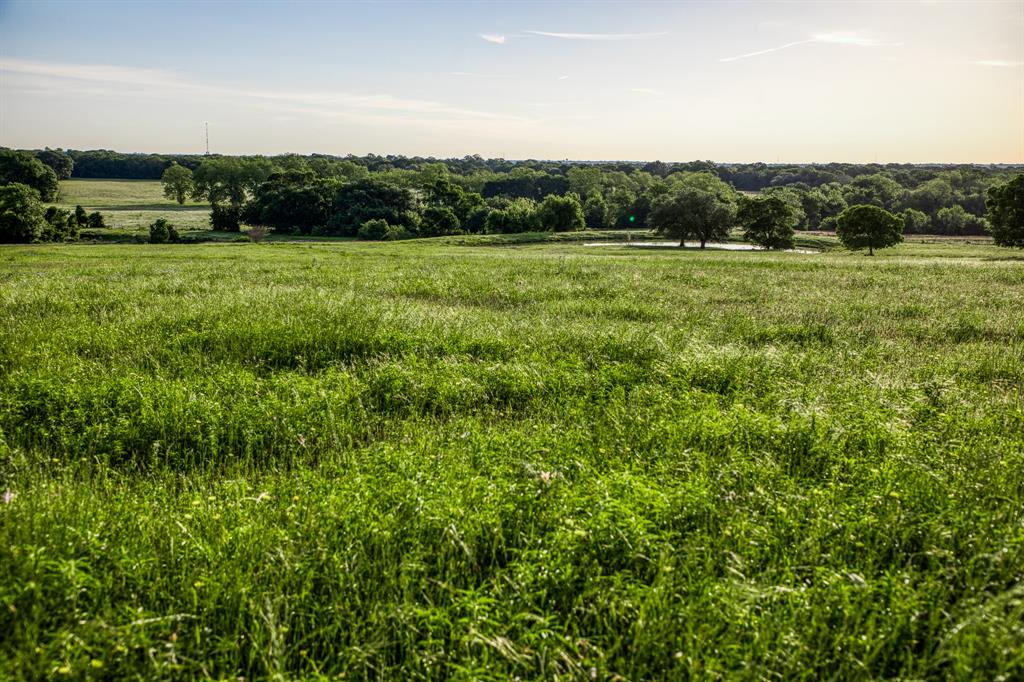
(790, 82)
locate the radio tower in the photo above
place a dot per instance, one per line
(207, 125)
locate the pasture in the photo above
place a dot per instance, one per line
(444, 460)
(130, 206)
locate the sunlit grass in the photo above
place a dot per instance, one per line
(425, 461)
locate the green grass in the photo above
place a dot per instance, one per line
(431, 461)
(130, 207)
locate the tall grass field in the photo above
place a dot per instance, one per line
(430, 461)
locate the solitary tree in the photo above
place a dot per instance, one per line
(1005, 206)
(870, 227)
(561, 214)
(768, 221)
(177, 182)
(693, 213)
(22, 219)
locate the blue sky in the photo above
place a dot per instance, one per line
(729, 81)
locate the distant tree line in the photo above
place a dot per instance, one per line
(414, 196)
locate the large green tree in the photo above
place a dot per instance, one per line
(22, 217)
(1005, 206)
(768, 221)
(692, 212)
(26, 169)
(177, 182)
(869, 227)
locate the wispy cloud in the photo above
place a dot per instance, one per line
(647, 91)
(598, 36)
(563, 78)
(493, 38)
(834, 38)
(114, 80)
(997, 62)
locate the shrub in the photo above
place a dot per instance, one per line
(396, 232)
(373, 230)
(95, 219)
(915, 221)
(161, 232)
(61, 225)
(519, 215)
(81, 217)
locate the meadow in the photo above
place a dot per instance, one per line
(130, 206)
(445, 459)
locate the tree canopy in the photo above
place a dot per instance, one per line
(22, 218)
(694, 212)
(177, 182)
(26, 169)
(869, 227)
(768, 221)
(1005, 204)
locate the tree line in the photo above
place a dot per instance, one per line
(394, 197)
(932, 199)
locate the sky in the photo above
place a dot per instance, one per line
(909, 81)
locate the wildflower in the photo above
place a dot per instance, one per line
(9, 496)
(96, 663)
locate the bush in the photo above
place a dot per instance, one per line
(225, 218)
(373, 230)
(161, 232)
(95, 219)
(61, 225)
(955, 220)
(519, 215)
(81, 217)
(915, 222)
(396, 232)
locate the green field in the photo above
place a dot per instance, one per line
(427, 461)
(130, 206)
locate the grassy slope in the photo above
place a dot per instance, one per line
(422, 461)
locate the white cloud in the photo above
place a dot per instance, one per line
(492, 38)
(563, 78)
(833, 38)
(647, 91)
(598, 36)
(120, 80)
